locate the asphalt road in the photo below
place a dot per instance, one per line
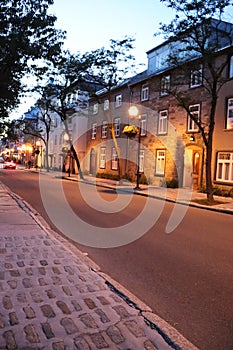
(186, 277)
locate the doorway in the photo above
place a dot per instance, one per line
(92, 162)
(192, 167)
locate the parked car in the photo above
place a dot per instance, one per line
(9, 164)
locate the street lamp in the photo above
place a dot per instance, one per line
(134, 113)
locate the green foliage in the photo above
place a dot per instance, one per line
(173, 183)
(143, 179)
(27, 34)
(107, 176)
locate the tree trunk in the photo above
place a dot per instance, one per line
(209, 185)
(209, 146)
(117, 151)
(47, 158)
(77, 161)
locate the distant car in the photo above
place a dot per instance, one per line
(9, 164)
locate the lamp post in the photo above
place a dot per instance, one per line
(134, 113)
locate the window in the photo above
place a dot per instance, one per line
(93, 131)
(165, 85)
(55, 140)
(229, 121)
(141, 161)
(104, 131)
(117, 126)
(195, 111)
(106, 105)
(196, 77)
(231, 68)
(143, 125)
(118, 100)
(160, 162)
(224, 171)
(102, 157)
(145, 93)
(162, 123)
(95, 108)
(114, 159)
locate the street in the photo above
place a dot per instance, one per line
(185, 276)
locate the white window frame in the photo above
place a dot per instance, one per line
(94, 131)
(224, 169)
(114, 160)
(196, 76)
(103, 152)
(104, 129)
(118, 100)
(117, 123)
(163, 122)
(229, 119)
(160, 162)
(145, 93)
(106, 105)
(141, 160)
(165, 85)
(231, 67)
(143, 125)
(95, 108)
(192, 126)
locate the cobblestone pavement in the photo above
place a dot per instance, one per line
(51, 298)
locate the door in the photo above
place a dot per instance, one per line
(93, 162)
(192, 168)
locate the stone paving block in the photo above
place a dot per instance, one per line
(115, 334)
(81, 344)
(69, 325)
(99, 341)
(47, 311)
(31, 334)
(46, 327)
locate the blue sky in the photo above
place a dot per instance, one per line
(90, 24)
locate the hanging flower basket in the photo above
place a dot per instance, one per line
(130, 131)
(64, 149)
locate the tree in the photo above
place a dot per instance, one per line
(196, 34)
(68, 76)
(27, 36)
(111, 67)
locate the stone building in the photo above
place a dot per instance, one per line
(172, 150)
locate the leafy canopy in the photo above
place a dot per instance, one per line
(27, 36)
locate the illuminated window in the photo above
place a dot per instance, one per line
(102, 157)
(114, 159)
(224, 171)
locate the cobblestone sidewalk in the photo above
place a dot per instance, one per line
(52, 299)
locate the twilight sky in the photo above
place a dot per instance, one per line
(90, 24)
